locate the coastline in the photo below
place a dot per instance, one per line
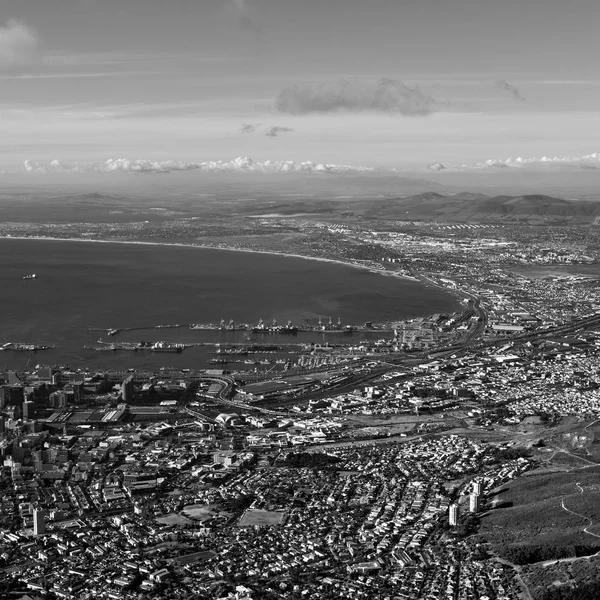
(371, 269)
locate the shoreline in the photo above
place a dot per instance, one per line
(371, 269)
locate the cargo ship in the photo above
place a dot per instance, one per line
(16, 347)
(134, 347)
(30, 276)
(260, 327)
(175, 349)
(235, 351)
(288, 329)
(164, 347)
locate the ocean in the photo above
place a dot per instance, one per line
(83, 287)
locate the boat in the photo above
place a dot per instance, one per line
(175, 349)
(288, 329)
(18, 347)
(166, 347)
(30, 276)
(260, 327)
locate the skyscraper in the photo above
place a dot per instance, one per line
(127, 389)
(474, 503)
(28, 409)
(454, 513)
(39, 521)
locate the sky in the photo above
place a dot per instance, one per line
(402, 84)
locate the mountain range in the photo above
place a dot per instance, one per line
(463, 207)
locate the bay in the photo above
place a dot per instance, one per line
(81, 286)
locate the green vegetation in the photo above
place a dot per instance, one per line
(310, 460)
(537, 508)
(568, 580)
(504, 454)
(526, 554)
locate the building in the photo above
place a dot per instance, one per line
(28, 409)
(58, 399)
(474, 503)
(39, 521)
(11, 395)
(226, 458)
(454, 514)
(507, 327)
(127, 390)
(477, 487)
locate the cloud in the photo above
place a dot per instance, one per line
(436, 167)
(248, 128)
(587, 161)
(242, 14)
(275, 131)
(511, 89)
(237, 165)
(386, 96)
(18, 45)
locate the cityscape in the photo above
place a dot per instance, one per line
(299, 300)
(393, 460)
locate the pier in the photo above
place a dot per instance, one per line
(323, 326)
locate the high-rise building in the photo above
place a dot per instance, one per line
(453, 515)
(474, 503)
(58, 399)
(39, 521)
(11, 395)
(13, 378)
(28, 409)
(127, 390)
(477, 487)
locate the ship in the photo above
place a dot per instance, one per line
(17, 347)
(236, 351)
(160, 347)
(30, 276)
(101, 348)
(176, 349)
(260, 327)
(166, 347)
(288, 329)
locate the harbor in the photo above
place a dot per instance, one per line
(323, 325)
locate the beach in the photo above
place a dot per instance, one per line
(226, 248)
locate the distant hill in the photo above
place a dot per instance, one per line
(434, 206)
(473, 207)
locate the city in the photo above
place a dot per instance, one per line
(362, 470)
(299, 300)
